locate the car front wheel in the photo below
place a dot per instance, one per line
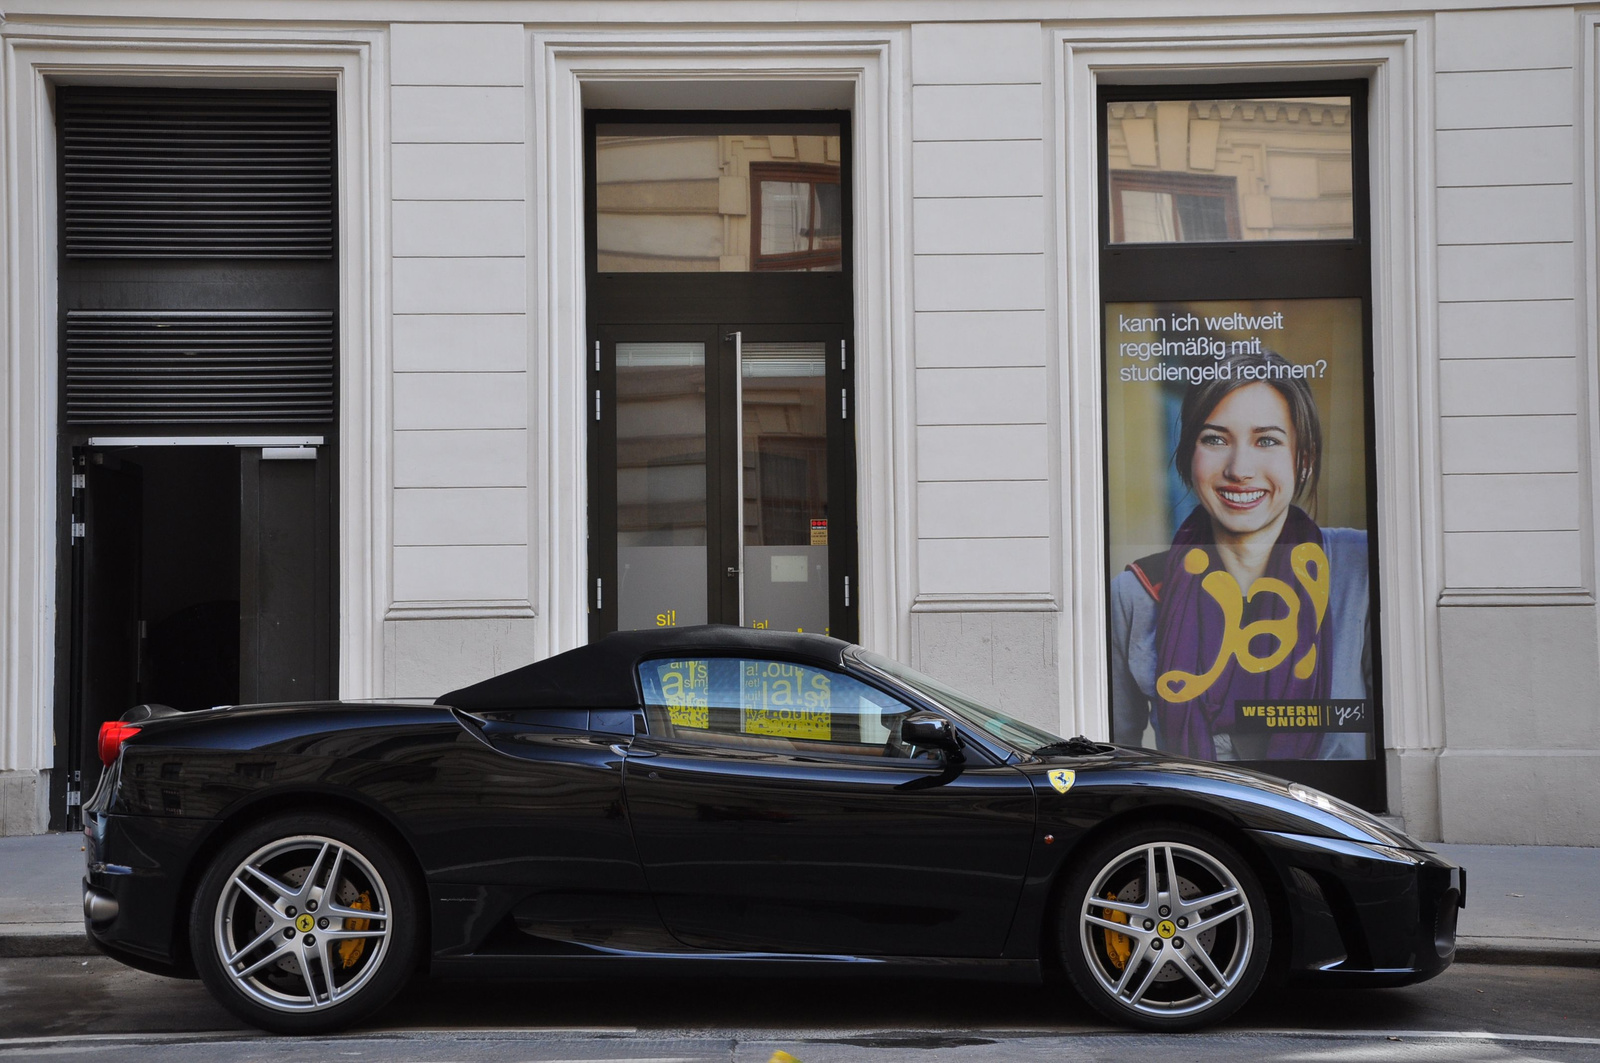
(305, 923)
(1165, 928)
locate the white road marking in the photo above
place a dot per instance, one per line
(1429, 1035)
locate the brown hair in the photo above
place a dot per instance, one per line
(1199, 400)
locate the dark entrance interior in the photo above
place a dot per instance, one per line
(198, 282)
(200, 579)
(722, 449)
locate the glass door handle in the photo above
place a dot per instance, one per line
(738, 461)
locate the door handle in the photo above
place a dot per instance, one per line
(623, 751)
(733, 570)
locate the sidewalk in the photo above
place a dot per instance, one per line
(1526, 904)
(1529, 904)
(41, 896)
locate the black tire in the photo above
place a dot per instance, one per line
(1157, 974)
(304, 962)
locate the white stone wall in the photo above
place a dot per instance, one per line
(24, 802)
(1521, 761)
(1509, 320)
(980, 288)
(460, 109)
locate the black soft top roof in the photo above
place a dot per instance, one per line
(601, 674)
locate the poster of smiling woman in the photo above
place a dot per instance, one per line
(1241, 616)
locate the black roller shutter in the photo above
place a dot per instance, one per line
(149, 174)
(155, 366)
(199, 244)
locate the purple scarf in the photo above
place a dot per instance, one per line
(1189, 636)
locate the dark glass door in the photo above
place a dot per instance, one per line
(722, 438)
(723, 490)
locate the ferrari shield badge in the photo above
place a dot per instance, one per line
(1062, 779)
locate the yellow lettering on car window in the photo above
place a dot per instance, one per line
(787, 701)
(686, 690)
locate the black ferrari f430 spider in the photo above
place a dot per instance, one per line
(722, 799)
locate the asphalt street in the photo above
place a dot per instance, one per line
(92, 1008)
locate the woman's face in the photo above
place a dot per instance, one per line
(1244, 464)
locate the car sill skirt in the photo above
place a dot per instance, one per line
(730, 964)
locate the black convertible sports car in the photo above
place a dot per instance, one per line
(728, 800)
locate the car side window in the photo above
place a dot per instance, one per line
(777, 705)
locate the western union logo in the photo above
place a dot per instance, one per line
(1278, 715)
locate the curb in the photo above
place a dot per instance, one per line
(46, 940)
(1528, 953)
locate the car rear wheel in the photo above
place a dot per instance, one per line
(1165, 928)
(305, 923)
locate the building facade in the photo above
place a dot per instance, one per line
(520, 321)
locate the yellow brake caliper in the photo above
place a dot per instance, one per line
(350, 951)
(1118, 946)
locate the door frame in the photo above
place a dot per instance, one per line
(793, 305)
(722, 480)
(348, 60)
(861, 69)
(1388, 51)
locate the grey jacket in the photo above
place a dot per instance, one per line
(1133, 650)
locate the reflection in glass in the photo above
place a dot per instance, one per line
(661, 484)
(1183, 171)
(775, 705)
(670, 203)
(800, 217)
(785, 510)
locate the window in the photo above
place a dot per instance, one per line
(1210, 170)
(722, 436)
(718, 198)
(1239, 462)
(772, 705)
(797, 218)
(1163, 208)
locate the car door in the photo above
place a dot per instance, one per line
(776, 810)
(529, 820)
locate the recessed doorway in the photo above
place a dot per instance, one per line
(199, 333)
(722, 446)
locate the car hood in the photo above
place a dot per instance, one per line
(1253, 799)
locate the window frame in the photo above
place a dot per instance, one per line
(1176, 184)
(809, 749)
(762, 305)
(807, 173)
(1254, 270)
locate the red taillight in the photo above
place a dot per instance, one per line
(112, 735)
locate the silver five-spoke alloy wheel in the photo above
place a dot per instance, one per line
(1168, 926)
(305, 923)
(302, 923)
(1168, 929)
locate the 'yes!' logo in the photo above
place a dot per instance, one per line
(1062, 779)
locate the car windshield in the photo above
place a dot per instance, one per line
(1012, 732)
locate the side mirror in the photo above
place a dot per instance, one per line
(934, 732)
